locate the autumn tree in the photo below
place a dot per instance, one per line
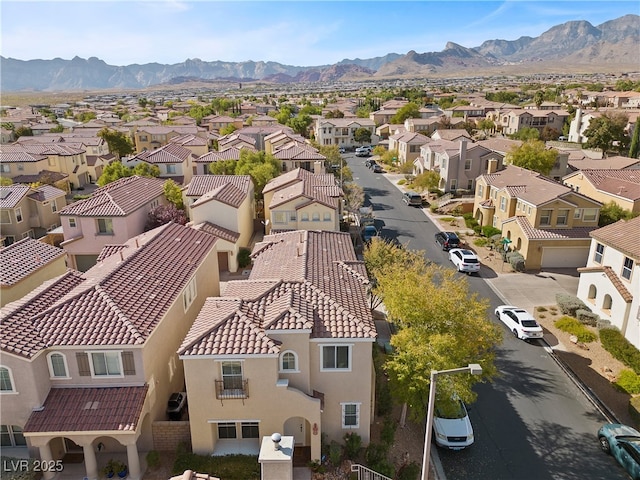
(164, 214)
(119, 143)
(427, 180)
(607, 132)
(442, 325)
(533, 155)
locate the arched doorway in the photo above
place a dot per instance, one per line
(300, 429)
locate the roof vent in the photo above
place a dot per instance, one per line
(276, 438)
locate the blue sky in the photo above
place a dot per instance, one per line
(303, 33)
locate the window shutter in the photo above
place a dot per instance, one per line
(83, 364)
(128, 363)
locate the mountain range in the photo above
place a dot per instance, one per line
(575, 46)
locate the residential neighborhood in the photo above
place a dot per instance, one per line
(218, 257)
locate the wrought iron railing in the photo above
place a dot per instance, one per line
(229, 389)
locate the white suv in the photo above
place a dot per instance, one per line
(464, 260)
(451, 425)
(363, 151)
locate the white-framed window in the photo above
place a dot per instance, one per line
(627, 268)
(232, 375)
(171, 168)
(335, 357)
(279, 217)
(57, 365)
(289, 361)
(350, 415)
(563, 217)
(480, 189)
(315, 217)
(545, 217)
(54, 206)
(454, 184)
(105, 226)
(589, 214)
(597, 255)
(6, 380)
(470, 184)
(72, 222)
(5, 168)
(467, 164)
(12, 436)
(28, 234)
(577, 213)
(21, 167)
(189, 294)
(105, 364)
(503, 204)
(18, 212)
(327, 216)
(227, 430)
(292, 216)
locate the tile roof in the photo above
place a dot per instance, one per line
(581, 162)
(533, 233)
(622, 183)
(302, 280)
(202, 184)
(11, 195)
(189, 140)
(109, 250)
(43, 175)
(45, 193)
(169, 153)
(231, 153)
(117, 302)
(118, 199)
(613, 278)
(321, 188)
(297, 151)
(115, 409)
(44, 149)
(228, 194)
(622, 235)
(24, 257)
(20, 157)
(218, 231)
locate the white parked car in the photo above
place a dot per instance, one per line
(451, 425)
(519, 321)
(464, 260)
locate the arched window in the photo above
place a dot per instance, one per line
(58, 365)
(6, 380)
(606, 303)
(519, 244)
(593, 291)
(288, 361)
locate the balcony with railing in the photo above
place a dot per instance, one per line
(232, 388)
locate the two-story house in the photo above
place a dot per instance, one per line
(112, 215)
(547, 222)
(340, 131)
(295, 155)
(610, 282)
(223, 205)
(512, 121)
(408, 145)
(153, 137)
(204, 161)
(29, 212)
(288, 350)
(175, 162)
(89, 360)
(301, 200)
(26, 264)
(619, 186)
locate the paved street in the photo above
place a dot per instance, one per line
(532, 422)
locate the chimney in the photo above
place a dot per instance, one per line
(492, 166)
(318, 167)
(463, 149)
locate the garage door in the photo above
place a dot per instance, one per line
(564, 257)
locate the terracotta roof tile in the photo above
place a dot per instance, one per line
(169, 153)
(613, 278)
(118, 199)
(227, 193)
(550, 233)
(218, 231)
(202, 184)
(44, 193)
(24, 257)
(622, 235)
(115, 409)
(11, 195)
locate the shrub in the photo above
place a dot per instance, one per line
(602, 323)
(541, 309)
(614, 342)
(568, 304)
(244, 257)
(516, 260)
(481, 242)
(574, 327)
(410, 471)
(388, 431)
(384, 401)
(587, 317)
(477, 229)
(352, 445)
(335, 453)
(376, 453)
(402, 181)
(153, 459)
(433, 208)
(543, 316)
(316, 466)
(489, 231)
(629, 382)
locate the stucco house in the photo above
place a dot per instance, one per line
(512, 121)
(301, 200)
(610, 282)
(223, 205)
(295, 155)
(204, 161)
(89, 360)
(547, 222)
(112, 215)
(25, 265)
(339, 131)
(29, 212)
(288, 350)
(619, 186)
(155, 136)
(175, 162)
(408, 145)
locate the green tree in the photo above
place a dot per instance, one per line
(486, 125)
(607, 132)
(23, 132)
(334, 114)
(5, 181)
(228, 130)
(173, 193)
(353, 197)
(611, 212)
(300, 124)
(634, 148)
(538, 98)
(427, 180)
(533, 155)
(410, 110)
(260, 166)
(526, 133)
(113, 172)
(441, 325)
(223, 167)
(119, 143)
(143, 169)
(57, 129)
(362, 135)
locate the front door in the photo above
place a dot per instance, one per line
(296, 427)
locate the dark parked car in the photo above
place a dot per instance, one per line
(412, 199)
(377, 168)
(176, 405)
(370, 163)
(623, 443)
(447, 240)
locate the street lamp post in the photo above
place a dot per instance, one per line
(474, 369)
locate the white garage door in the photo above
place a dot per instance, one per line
(564, 257)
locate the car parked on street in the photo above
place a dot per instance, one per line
(451, 425)
(412, 199)
(368, 232)
(363, 152)
(623, 443)
(464, 260)
(377, 168)
(447, 240)
(519, 321)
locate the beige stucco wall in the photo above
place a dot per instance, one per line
(299, 224)
(10, 293)
(587, 188)
(235, 219)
